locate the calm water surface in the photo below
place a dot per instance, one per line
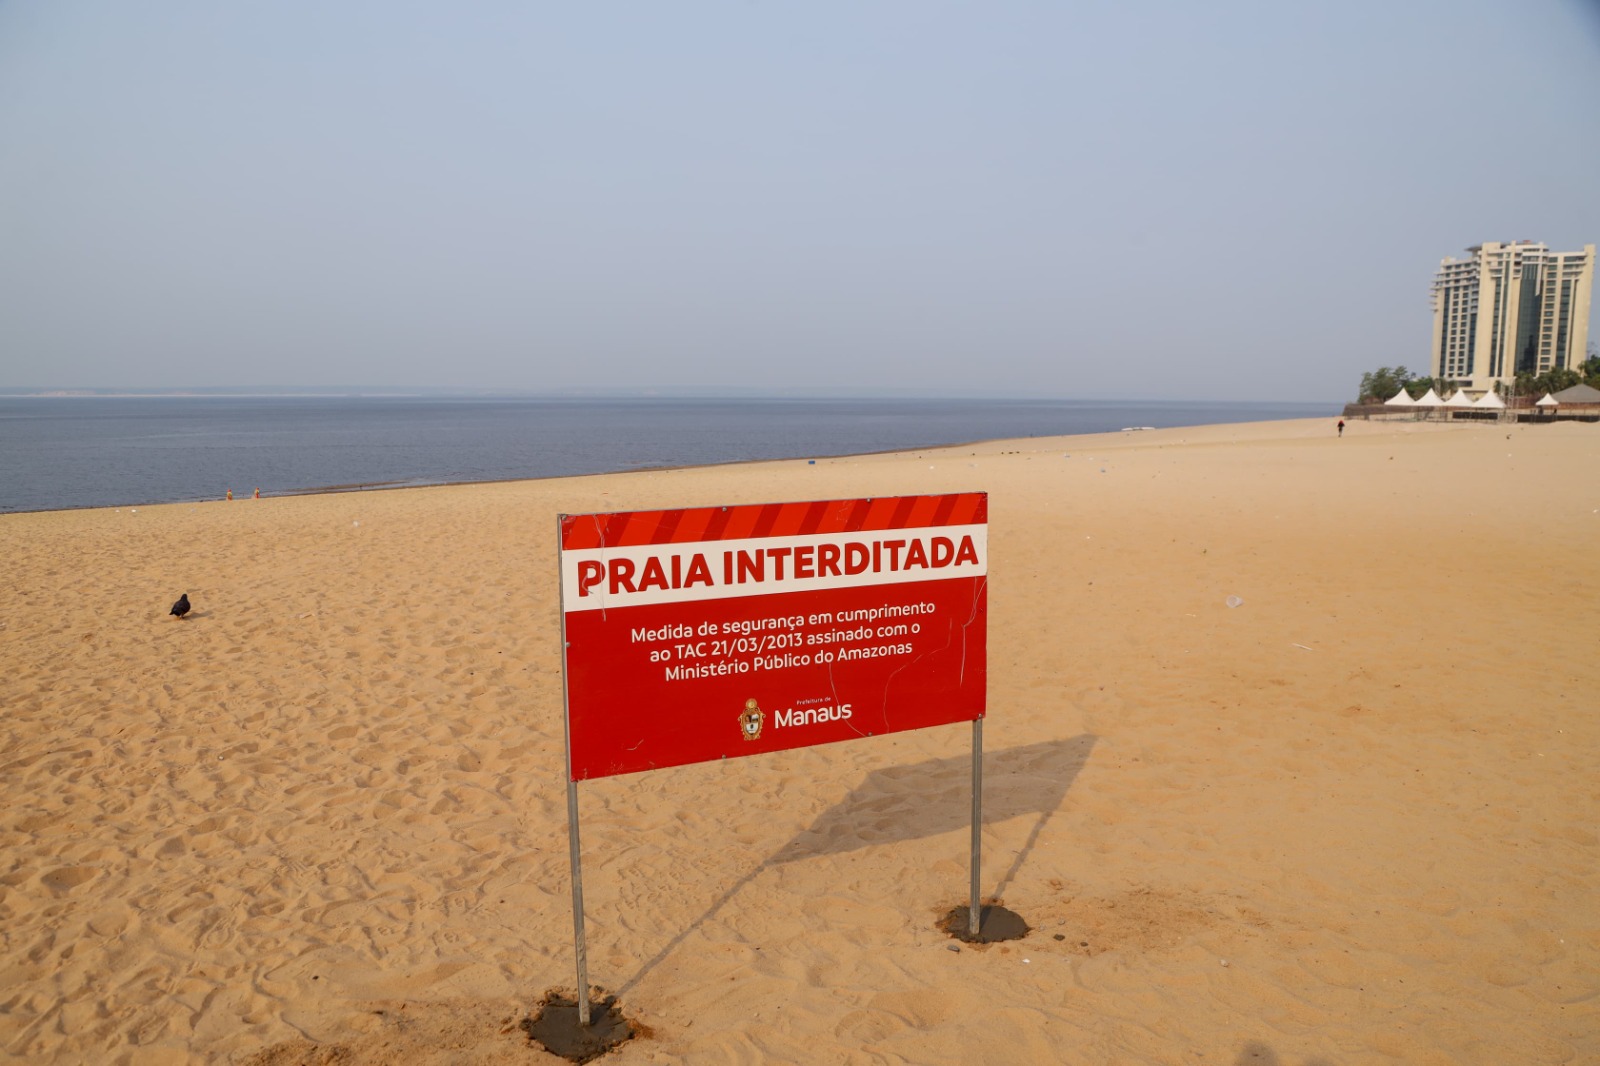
(98, 452)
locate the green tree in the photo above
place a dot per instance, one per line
(1560, 377)
(1553, 380)
(1418, 387)
(1382, 384)
(1591, 368)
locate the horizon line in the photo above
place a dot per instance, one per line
(584, 392)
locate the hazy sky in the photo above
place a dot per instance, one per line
(1230, 199)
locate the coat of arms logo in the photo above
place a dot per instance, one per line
(751, 720)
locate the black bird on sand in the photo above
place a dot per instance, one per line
(181, 608)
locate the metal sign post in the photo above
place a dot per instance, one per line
(578, 903)
(973, 911)
(574, 852)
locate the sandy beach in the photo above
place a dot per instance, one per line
(1350, 820)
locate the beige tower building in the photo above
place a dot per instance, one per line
(1507, 308)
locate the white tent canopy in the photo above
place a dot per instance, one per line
(1458, 399)
(1400, 399)
(1491, 400)
(1548, 401)
(1430, 399)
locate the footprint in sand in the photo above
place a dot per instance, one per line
(64, 879)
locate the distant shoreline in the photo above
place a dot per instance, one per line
(403, 483)
(90, 452)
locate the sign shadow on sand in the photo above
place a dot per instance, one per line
(923, 800)
(934, 797)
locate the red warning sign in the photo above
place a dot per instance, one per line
(714, 632)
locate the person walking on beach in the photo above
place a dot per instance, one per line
(1341, 427)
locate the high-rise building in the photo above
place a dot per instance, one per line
(1509, 308)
